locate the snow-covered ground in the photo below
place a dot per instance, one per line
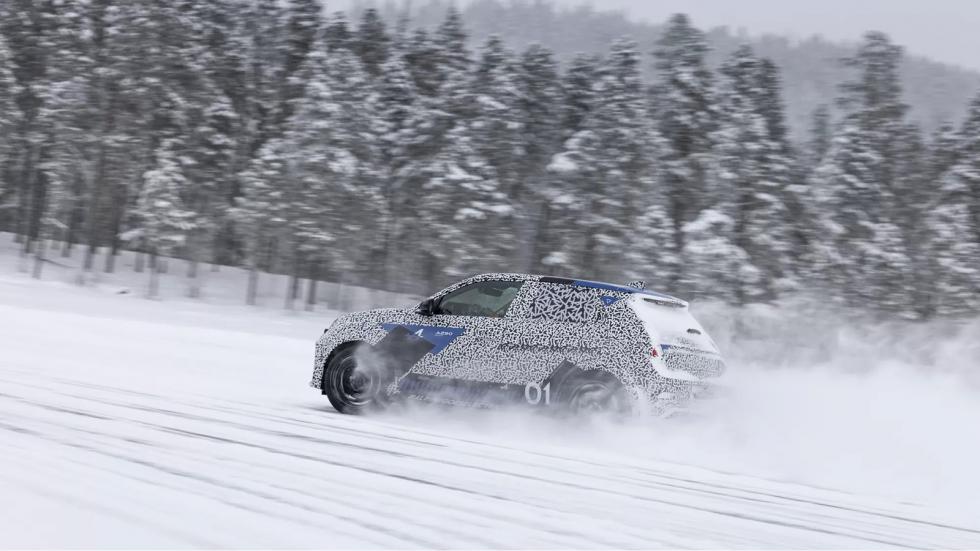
(126, 422)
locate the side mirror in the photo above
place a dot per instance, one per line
(426, 308)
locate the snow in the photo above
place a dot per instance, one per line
(563, 164)
(127, 422)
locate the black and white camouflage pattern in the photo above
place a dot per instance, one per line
(546, 325)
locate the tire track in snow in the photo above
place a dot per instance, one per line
(514, 465)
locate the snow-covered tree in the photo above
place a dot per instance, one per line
(8, 109)
(953, 219)
(864, 248)
(753, 173)
(820, 135)
(540, 111)
(713, 264)
(611, 165)
(473, 172)
(860, 253)
(371, 42)
(336, 34)
(164, 221)
(683, 97)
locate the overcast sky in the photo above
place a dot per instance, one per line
(945, 30)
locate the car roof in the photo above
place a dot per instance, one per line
(576, 282)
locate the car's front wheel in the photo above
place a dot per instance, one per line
(353, 382)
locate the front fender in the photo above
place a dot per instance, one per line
(356, 326)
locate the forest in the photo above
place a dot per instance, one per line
(378, 151)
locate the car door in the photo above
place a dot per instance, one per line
(465, 330)
(558, 324)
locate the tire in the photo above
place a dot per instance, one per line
(590, 394)
(353, 383)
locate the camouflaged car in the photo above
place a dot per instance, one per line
(566, 345)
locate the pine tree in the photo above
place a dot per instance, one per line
(579, 91)
(497, 122)
(866, 255)
(753, 174)
(968, 167)
(164, 220)
(683, 99)
(263, 211)
(454, 64)
(539, 103)
(820, 135)
(475, 169)
(610, 163)
(8, 114)
(422, 61)
(860, 250)
(714, 266)
(913, 190)
(556, 250)
(29, 29)
(336, 34)
(442, 142)
(371, 42)
(331, 171)
(400, 114)
(953, 219)
(8, 91)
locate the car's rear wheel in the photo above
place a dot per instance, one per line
(354, 383)
(591, 393)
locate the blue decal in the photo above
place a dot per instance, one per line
(440, 337)
(608, 300)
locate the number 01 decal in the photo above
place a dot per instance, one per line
(533, 392)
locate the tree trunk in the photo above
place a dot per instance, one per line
(140, 261)
(110, 258)
(69, 238)
(542, 240)
(93, 216)
(38, 259)
(23, 192)
(311, 285)
(194, 283)
(39, 196)
(291, 290)
(529, 232)
(154, 286)
(74, 220)
(194, 289)
(296, 284)
(116, 207)
(253, 284)
(89, 256)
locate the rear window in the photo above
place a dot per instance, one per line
(565, 303)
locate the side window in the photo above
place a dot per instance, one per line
(486, 298)
(565, 303)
